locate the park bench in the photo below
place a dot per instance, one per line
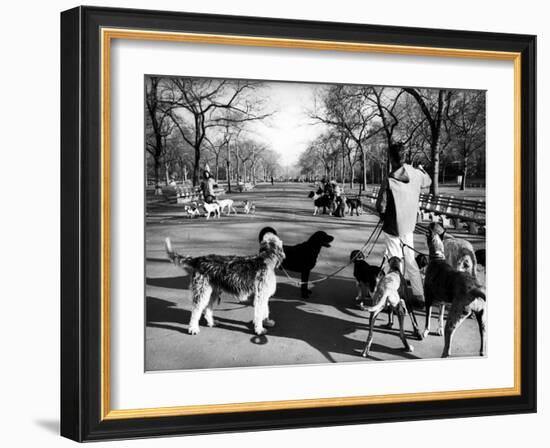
(447, 210)
(453, 212)
(244, 186)
(184, 194)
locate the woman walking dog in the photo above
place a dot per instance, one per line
(207, 186)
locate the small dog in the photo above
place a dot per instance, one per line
(387, 296)
(227, 203)
(320, 200)
(354, 204)
(249, 207)
(192, 210)
(303, 257)
(366, 277)
(211, 209)
(460, 289)
(241, 276)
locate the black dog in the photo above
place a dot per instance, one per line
(302, 257)
(354, 204)
(320, 199)
(366, 277)
(340, 207)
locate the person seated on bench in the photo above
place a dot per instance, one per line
(397, 203)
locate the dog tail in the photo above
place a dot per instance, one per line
(378, 306)
(174, 257)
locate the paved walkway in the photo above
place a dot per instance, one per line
(324, 328)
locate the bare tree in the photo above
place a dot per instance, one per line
(386, 101)
(467, 126)
(157, 126)
(197, 105)
(349, 110)
(216, 147)
(434, 106)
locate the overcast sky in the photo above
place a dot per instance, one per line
(289, 130)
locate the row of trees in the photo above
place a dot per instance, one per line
(191, 122)
(440, 128)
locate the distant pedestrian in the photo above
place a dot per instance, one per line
(271, 180)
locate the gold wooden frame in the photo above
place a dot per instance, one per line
(107, 35)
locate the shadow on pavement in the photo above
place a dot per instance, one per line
(181, 282)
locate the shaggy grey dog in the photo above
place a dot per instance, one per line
(460, 289)
(241, 276)
(460, 255)
(459, 252)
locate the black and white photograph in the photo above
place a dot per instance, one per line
(297, 223)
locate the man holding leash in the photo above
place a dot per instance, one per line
(397, 204)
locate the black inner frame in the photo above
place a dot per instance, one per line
(81, 223)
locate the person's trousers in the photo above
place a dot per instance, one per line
(394, 248)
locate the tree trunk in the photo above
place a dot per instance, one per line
(434, 189)
(228, 175)
(167, 172)
(364, 177)
(217, 168)
(343, 168)
(196, 167)
(350, 173)
(464, 174)
(228, 168)
(158, 189)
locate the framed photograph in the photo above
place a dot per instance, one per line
(276, 224)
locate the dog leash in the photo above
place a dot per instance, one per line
(377, 228)
(412, 248)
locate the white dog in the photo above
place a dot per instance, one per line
(227, 203)
(249, 207)
(213, 208)
(192, 211)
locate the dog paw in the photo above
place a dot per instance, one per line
(193, 330)
(425, 333)
(212, 323)
(409, 349)
(260, 331)
(440, 331)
